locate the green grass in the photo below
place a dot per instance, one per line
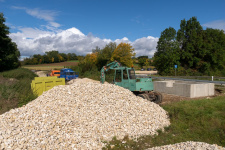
(15, 88)
(73, 61)
(193, 120)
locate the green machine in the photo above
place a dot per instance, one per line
(126, 78)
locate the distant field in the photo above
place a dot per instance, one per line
(51, 66)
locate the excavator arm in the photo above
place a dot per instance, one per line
(104, 69)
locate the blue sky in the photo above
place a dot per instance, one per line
(78, 26)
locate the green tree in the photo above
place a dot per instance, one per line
(142, 60)
(9, 53)
(214, 46)
(104, 55)
(124, 53)
(46, 59)
(167, 54)
(53, 55)
(190, 38)
(64, 56)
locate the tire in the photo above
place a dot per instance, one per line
(144, 96)
(158, 97)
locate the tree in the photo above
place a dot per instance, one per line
(9, 53)
(104, 55)
(167, 54)
(142, 60)
(91, 58)
(190, 38)
(53, 55)
(124, 53)
(214, 46)
(64, 56)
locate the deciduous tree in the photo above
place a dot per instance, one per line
(167, 54)
(124, 53)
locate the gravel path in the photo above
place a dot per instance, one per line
(41, 73)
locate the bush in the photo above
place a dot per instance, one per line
(15, 88)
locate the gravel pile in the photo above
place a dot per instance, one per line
(80, 115)
(190, 145)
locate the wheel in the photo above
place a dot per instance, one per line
(144, 96)
(158, 97)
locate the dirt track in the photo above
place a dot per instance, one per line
(146, 72)
(41, 73)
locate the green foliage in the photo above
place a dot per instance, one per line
(105, 54)
(190, 37)
(194, 50)
(87, 70)
(167, 54)
(49, 57)
(193, 120)
(142, 61)
(20, 73)
(9, 54)
(15, 88)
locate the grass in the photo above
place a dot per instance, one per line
(195, 120)
(73, 61)
(15, 88)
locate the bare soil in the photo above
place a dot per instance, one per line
(56, 64)
(169, 98)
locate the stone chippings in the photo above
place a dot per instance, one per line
(80, 115)
(189, 145)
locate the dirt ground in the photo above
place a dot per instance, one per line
(169, 98)
(57, 64)
(146, 72)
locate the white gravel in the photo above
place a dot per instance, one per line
(81, 116)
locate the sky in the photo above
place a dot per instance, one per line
(78, 26)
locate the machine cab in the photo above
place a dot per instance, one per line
(125, 77)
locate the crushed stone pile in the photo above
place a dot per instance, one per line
(80, 116)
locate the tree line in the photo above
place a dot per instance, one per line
(194, 50)
(123, 53)
(50, 57)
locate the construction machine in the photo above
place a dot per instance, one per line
(126, 78)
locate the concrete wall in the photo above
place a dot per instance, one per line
(184, 88)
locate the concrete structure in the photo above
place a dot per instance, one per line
(185, 88)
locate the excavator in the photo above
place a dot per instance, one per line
(126, 78)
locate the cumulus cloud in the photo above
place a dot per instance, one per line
(218, 24)
(35, 41)
(145, 46)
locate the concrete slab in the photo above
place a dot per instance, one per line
(185, 88)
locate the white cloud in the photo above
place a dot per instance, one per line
(145, 46)
(47, 15)
(218, 24)
(124, 40)
(35, 41)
